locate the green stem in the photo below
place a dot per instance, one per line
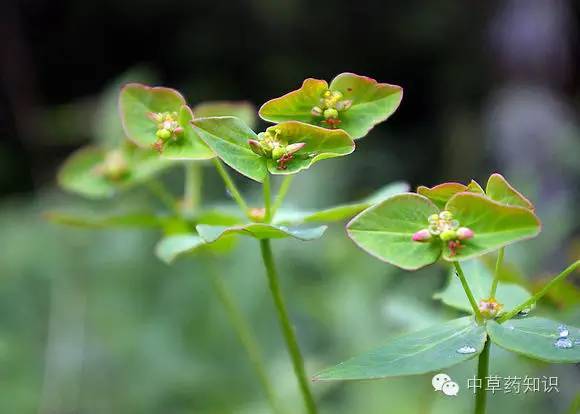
(498, 265)
(193, 181)
(287, 330)
(245, 336)
(482, 373)
(541, 293)
(461, 276)
(267, 199)
(282, 192)
(230, 185)
(157, 188)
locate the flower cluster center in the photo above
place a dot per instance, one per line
(167, 128)
(330, 106)
(447, 229)
(271, 144)
(114, 167)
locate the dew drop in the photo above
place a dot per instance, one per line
(524, 312)
(563, 343)
(563, 329)
(466, 350)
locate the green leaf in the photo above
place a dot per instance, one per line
(372, 103)
(386, 230)
(428, 350)
(474, 187)
(131, 220)
(320, 143)
(441, 193)
(342, 212)
(228, 138)
(171, 247)
(136, 101)
(295, 105)
(260, 231)
(480, 278)
(220, 217)
(495, 225)
(535, 338)
(85, 171)
(242, 110)
(500, 190)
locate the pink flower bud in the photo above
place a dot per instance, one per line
(256, 147)
(155, 117)
(422, 236)
(464, 233)
(178, 131)
(294, 148)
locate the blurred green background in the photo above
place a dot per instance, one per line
(92, 322)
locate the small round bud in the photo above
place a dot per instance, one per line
(343, 105)
(278, 153)
(465, 233)
(257, 214)
(294, 148)
(178, 131)
(434, 218)
(489, 308)
(422, 236)
(163, 134)
(316, 111)
(446, 215)
(330, 113)
(448, 235)
(327, 94)
(256, 147)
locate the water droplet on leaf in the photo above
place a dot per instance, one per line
(563, 329)
(466, 350)
(563, 343)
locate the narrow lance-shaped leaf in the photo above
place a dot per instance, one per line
(495, 225)
(343, 211)
(353, 103)
(480, 278)
(386, 231)
(260, 231)
(428, 350)
(537, 338)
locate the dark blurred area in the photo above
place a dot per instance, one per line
(488, 86)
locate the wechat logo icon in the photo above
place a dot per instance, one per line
(442, 382)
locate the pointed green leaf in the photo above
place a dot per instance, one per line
(441, 193)
(371, 103)
(260, 231)
(96, 173)
(535, 338)
(137, 101)
(498, 189)
(495, 225)
(131, 220)
(474, 187)
(320, 144)
(480, 278)
(228, 138)
(386, 230)
(170, 248)
(428, 350)
(295, 105)
(242, 110)
(341, 212)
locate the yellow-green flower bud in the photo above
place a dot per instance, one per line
(278, 153)
(343, 105)
(446, 215)
(316, 111)
(448, 235)
(163, 134)
(330, 113)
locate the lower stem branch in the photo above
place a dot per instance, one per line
(244, 333)
(287, 330)
(541, 293)
(498, 265)
(230, 185)
(482, 374)
(193, 181)
(461, 276)
(282, 192)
